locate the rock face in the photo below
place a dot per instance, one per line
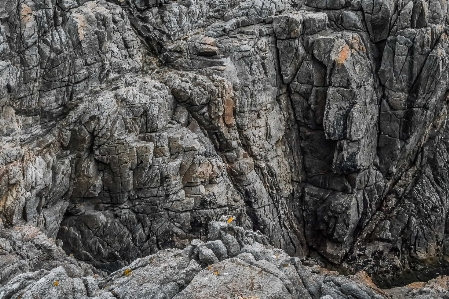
(243, 268)
(127, 126)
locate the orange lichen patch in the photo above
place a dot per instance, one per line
(416, 285)
(229, 111)
(26, 14)
(230, 220)
(345, 52)
(216, 272)
(127, 272)
(56, 283)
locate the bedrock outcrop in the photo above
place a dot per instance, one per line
(127, 126)
(234, 263)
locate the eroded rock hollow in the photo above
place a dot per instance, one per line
(129, 127)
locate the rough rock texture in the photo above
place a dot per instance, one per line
(435, 288)
(127, 126)
(250, 269)
(245, 266)
(27, 249)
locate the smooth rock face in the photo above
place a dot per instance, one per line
(127, 126)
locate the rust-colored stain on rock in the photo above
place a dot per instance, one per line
(26, 14)
(82, 24)
(416, 285)
(229, 112)
(345, 52)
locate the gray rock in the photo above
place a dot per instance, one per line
(258, 271)
(218, 248)
(207, 255)
(130, 127)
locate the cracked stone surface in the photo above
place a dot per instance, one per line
(127, 127)
(254, 270)
(251, 268)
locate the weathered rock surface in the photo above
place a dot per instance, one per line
(252, 270)
(245, 266)
(127, 126)
(26, 249)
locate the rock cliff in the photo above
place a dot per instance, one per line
(128, 127)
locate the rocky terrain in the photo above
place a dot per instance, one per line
(315, 131)
(233, 264)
